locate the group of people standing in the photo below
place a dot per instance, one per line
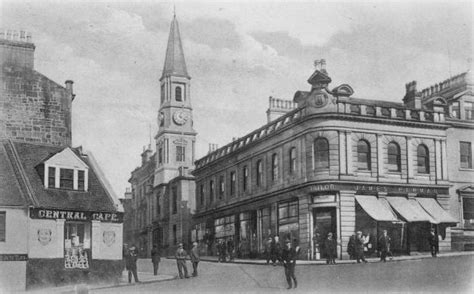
(181, 256)
(358, 244)
(225, 250)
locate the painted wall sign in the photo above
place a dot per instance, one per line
(377, 188)
(324, 198)
(72, 215)
(13, 257)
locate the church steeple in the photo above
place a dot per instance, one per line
(175, 64)
(176, 137)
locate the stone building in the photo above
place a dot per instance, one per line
(59, 219)
(340, 164)
(162, 187)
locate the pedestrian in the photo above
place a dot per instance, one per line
(351, 247)
(181, 261)
(384, 245)
(131, 264)
(230, 249)
(195, 258)
(434, 242)
(359, 247)
(155, 259)
(288, 258)
(222, 249)
(268, 249)
(330, 246)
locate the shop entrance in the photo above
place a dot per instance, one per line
(324, 221)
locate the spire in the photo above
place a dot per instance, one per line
(174, 61)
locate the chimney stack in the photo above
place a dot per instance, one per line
(16, 49)
(69, 89)
(412, 97)
(146, 154)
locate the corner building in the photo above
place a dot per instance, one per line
(332, 163)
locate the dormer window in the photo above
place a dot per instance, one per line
(65, 170)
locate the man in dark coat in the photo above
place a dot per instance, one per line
(181, 261)
(434, 242)
(155, 259)
(288, 258)
(384, 245)
(268, 249)
(195, 258)
(330, 246)
(351, 247)
(131, 263)
(359, 247)
(222, 251)
(231, 249)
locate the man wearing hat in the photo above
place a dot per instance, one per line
(195, 258)
(330, 246)
(181, 261)
(288, 257)
(131, 264)
(434, 242)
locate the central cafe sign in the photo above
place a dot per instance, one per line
(377, 188)
(73, 215)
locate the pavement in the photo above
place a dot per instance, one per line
(147, 277)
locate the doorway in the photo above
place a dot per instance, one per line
(324, 222)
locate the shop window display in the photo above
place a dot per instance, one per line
(77, 245)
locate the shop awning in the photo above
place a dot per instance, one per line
(436, 211)
(376, 209)
(410, 210)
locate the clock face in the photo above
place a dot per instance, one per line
(180, 117)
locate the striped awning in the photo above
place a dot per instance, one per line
(432, 207)
(410, 210)
(376, 209)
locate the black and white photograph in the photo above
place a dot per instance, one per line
(232, 146)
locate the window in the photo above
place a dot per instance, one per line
(455, 111)
(469, 110)
(66, 178)
(245, 178)
(158, 206)
(232, 183)
(221, 187)
(162, 94)
(274, 167)
(201, 194)
(466, 155)
(160, 155)
(259, 173)
(363, 155)
(77, 243)
(292, 160)
(394, 160)
(467, 209)
(321, 153)
(3, 222)
(180, 153)
(211, 191)
(423, 159)
(178, 94)
(175, 235)
(80, 180)
(51, 177)
(174, 192)
(288, 211)
(288, 220)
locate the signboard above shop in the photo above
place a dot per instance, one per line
(74, 215)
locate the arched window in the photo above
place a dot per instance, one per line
(292, 160)
(394, 160)
(178, 95)
(259, 173)
(363, 155)
(274, 167)
(423, 159)
(321, 153)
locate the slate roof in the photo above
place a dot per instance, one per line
(174, 61)
(28, 157)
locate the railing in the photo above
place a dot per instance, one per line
(14, 35)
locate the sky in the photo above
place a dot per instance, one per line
(237, 53)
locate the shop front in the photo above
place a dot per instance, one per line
(67, 246)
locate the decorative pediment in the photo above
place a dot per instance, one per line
(343, 90)
(466, 189)
(67, 159)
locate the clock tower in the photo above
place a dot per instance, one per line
(176, 137)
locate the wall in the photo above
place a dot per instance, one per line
(107, 241)
(13, 273)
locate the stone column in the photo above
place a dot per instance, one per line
(444, 160)
(347, 223)
(342, 153)
(409, 158)
(349, 158)
(380, 153)
(438, 163)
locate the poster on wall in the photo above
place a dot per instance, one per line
(107, 241)
(43, 239)
(76, 258)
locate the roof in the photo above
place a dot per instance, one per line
(11, 194)
(174, 60)
(28, 158)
